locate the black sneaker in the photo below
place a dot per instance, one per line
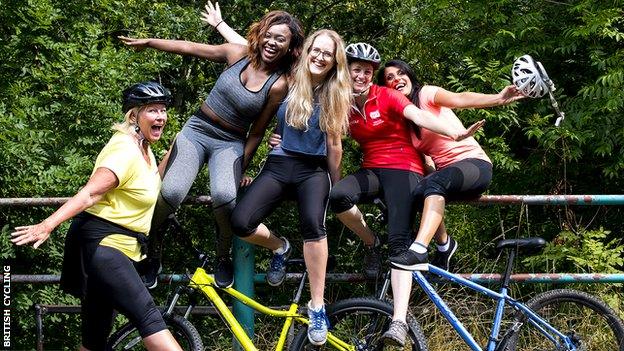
(277, 269)
(443, 259)
(372, 261)
(224, 272)
(150, 269)
(410, 260)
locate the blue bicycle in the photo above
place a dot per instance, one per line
(555, 320)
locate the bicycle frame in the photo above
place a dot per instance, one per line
(502, 298)
(205, 283)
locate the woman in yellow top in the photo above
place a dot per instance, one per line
(112, 213)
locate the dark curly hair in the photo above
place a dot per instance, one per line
(258, 30)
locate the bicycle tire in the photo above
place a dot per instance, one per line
(362, 321)
(593, 323)
(128, 338)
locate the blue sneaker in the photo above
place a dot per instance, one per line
(277, 269)
(317, 330)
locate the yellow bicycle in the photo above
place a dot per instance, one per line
(355, 324)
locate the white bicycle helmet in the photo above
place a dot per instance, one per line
(363, 52)
(530, 77)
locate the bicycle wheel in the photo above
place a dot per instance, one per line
(128, 338)
(361, 322)
(592, 324)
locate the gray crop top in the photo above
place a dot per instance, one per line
(234, 103)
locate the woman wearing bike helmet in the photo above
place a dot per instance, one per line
(112, 215)
(380, 122)
(225, 131)
(461, 169)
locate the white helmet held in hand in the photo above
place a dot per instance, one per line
(530, 77)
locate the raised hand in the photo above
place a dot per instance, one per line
(36, 234)
(135, 43)
(470, 130)
(212, 15)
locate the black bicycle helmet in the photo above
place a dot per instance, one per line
(363, 52)
(145, 93)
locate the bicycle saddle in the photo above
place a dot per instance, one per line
(525, 245)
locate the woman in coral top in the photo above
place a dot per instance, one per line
(462, 168)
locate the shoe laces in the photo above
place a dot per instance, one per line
(317, 318)
(278, 261)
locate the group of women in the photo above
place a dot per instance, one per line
(319, 90)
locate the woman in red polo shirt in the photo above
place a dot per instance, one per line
(380, 122)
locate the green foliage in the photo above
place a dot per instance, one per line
(63, 69)
(587, 251)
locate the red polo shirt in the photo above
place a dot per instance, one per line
(383, 132)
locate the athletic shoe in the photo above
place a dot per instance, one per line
(151, 268)
(224, 272)
(277, 269)
(372, 261)
(443, 259)
(317, 330)
(396, 334)
(410, 260)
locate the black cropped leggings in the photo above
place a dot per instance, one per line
(303, 178)
(395, 186)
(463, 179)
(114, 284)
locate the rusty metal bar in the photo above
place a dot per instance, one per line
(259, 278)
(582, 200)
(57, 201)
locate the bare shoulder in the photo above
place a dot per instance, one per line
(280, 87)
(235, 52)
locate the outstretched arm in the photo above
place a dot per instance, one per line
(100, 182)
(212, 16)
(427, 120)
(476, 100)
(229, 53)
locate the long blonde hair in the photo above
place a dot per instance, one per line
(334, 94)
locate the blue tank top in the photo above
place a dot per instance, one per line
(233, 102)
(311, 142)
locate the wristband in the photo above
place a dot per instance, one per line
(218, 24)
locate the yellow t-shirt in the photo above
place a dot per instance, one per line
(131, 204)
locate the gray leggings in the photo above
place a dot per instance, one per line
(198, 143)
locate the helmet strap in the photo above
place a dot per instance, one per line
(365, 91)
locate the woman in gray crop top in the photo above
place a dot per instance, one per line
(311, 121)
(225, 131)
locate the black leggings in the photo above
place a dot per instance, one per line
(396, 187)
(114, 284)
(463, 179)
(306, 178)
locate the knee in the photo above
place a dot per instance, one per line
(151, 322)
(340, 200)
(312, 230)
(170, 197)
(241, 224)
(223, 199)
(435, 186)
